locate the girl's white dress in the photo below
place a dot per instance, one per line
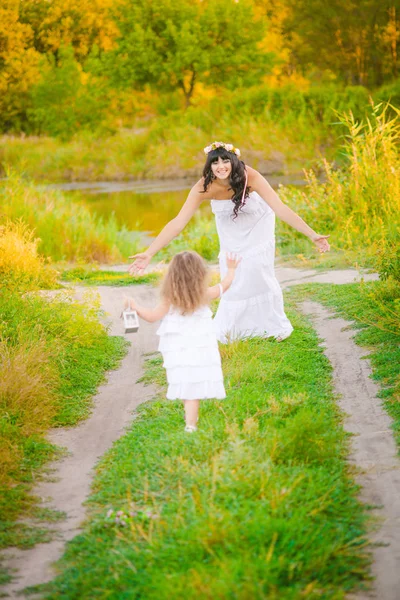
(189, 347)
(253, 305)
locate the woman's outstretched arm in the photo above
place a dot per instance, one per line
(259, 184)
(170, 231)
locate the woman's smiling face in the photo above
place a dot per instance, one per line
(221, 168)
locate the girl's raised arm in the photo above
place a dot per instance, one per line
(232, 262)
(171, 229)
(259, 184)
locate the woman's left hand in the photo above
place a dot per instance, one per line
(321, 242)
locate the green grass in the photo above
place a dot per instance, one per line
(65, 352)
(96, 277)
(259, 503)
(374, 309)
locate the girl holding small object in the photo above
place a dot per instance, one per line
(244, 205)
(188, 340)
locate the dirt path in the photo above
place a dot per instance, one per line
(116, 400)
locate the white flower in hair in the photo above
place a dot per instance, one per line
(228, 147)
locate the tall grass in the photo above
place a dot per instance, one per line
(67, 231)
(170, 147)
(359, 204)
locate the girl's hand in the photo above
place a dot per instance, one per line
(321, 242)
(140, 263)
(129, 303)
(232, 260)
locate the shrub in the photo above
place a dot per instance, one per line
(20, 264)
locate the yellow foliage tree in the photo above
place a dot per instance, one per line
(79, 23)
(275, 13)
(18, 64)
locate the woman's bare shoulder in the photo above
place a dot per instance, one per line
(252, 174)
(198, 190)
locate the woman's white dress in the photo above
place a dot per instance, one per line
(253, 305)
(192, 361)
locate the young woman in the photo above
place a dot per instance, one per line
(244, 205)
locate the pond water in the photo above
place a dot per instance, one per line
(141, 206)
(147, 212)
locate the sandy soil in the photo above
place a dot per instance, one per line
(373, 448)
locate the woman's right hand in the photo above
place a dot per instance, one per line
(140, 263)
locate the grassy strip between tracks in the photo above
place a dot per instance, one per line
(259, 503)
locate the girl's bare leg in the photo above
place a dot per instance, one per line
(191, 411)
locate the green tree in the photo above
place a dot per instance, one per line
(67, 99)
(172, 44)
(355, 39)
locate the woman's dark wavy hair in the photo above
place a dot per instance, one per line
(237, 177)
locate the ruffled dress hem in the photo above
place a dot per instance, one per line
(189, 347)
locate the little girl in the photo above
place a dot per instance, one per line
(188, 340)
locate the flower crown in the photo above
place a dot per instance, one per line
(228, 147)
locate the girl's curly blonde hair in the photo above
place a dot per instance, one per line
(185, 283)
